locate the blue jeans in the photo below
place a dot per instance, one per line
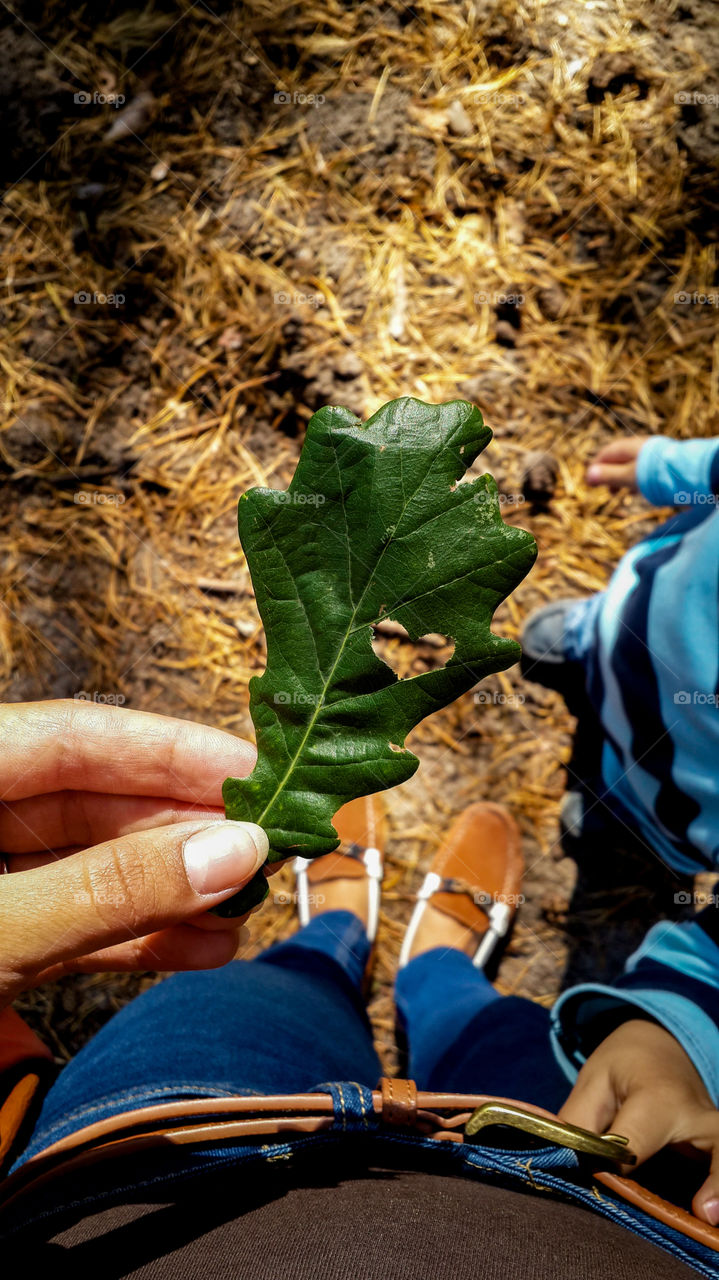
(293, 1020)
(295, 1017)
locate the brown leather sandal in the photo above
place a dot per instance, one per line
(361, 827)
(475, 879)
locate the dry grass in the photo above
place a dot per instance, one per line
(462, 153)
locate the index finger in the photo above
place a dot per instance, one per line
(645, 1123)
(591, 1104)
(63, 745)
(623, 450)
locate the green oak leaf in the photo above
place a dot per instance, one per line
(374, 525)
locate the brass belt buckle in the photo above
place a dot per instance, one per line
(608, 1147)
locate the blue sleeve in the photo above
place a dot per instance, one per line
(677, 473)
(673, 978)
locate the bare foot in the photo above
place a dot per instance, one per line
(342, 893)
(436, 929)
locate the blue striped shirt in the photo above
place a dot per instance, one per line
(650, 646)
(651, 652)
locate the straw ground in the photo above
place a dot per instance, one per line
(295, 205)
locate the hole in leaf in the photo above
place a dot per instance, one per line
(407, 658)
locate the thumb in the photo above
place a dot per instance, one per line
(706, 1201)
(122, 889)
(705, 1204)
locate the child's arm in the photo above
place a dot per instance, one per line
(667, 472)
(678, 473)
(672, 982)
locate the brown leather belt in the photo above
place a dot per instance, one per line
(397, 1104)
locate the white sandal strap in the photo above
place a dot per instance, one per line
(372, 861)
(498, 913)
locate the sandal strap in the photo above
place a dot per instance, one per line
(369, 856)
(496, 908)
(371, 859)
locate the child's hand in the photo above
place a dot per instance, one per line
(616, 464)
(640, 1083)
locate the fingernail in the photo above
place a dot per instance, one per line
(224, 855)
(711, 1209)
(594, 475)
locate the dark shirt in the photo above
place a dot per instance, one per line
(379, 1224)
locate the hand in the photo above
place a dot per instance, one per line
(616, 464)
(640, 1083)
(107, 817)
